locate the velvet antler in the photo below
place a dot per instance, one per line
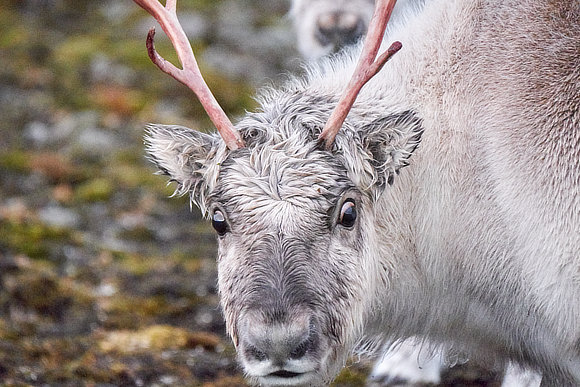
(190, 74)
(365, 69)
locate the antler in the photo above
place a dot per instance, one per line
(366, 68)
(190, 75)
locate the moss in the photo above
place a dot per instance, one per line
(90, 367)
(70, 60)
(99, 189)
(186, 260)
(228, 381)
(139, 265)
(48, 295)
(31, 238)
(42, 294)
(137, 234)
(16, 161)
(14, 32)
(54, 166)
(354, 374)
(134, 176)
(77, 50)
(128, 312)
(350, 377)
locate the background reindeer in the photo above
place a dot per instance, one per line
(493, 294)
(325, 26)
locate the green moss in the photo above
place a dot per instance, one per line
(131, 312)
(350, 377)
(99, 189)
(139, 265)
(31, 238)
(17, 161)
(186, 260)
(135, 264)
(77, 50)
(133, 176)
(138, 234)
(228, 381)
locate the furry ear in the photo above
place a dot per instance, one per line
(391, 140)
(187, 156)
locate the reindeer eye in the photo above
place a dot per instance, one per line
(348, 213)
(218, 221)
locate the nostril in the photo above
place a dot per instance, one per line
(254, 353)
(266, 341)
(305, 346)
(301, 350)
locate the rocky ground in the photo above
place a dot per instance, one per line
(104, 279)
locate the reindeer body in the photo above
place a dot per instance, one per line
(475, 244)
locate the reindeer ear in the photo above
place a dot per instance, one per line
(391, 141)
(183, 154)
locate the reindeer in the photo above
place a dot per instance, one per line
(323, 27)
(443, 203)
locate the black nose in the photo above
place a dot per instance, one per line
(278, 342)
(339, 29)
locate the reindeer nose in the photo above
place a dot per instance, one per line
(278, 341)
(339, 28)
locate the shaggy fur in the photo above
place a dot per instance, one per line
(471, 239)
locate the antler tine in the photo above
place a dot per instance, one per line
(366, 68)
(189, 75)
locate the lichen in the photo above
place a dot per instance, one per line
(156, 338)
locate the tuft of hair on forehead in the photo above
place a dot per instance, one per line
(371, 148)
(285, 135)
(300, 175)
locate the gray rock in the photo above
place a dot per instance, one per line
(58, 216)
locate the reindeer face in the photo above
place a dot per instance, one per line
(325, 26)
(297, 257)
(297, 241)
(294, 262)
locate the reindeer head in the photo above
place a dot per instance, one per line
(296, 229)
(295, 218)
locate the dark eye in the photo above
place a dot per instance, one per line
(218, 221)
(348, 213)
